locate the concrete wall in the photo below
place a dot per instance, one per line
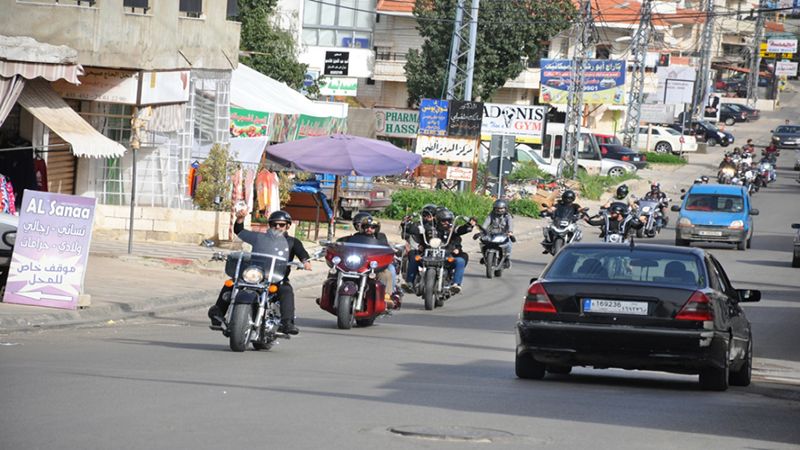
(161, 224)
(106, 35)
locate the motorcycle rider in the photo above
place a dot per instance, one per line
(413, 233)
(621, 195)
(727, 163)
(771, 149)
(656, 195)
(616, 218)
(500, 221)
(279, 223)
(369, 232)
(567, 201)
(749, 147)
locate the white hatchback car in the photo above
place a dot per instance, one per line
(665, 140)
(604, 166)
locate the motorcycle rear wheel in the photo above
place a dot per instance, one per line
(489, 262)
(344, 312)
(430, 283)
(240, 327)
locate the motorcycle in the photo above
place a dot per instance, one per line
(255, 316)
(618, 236)
(655, 218)
(726, 175)
(493, 250)
(564, 228)
(352, 291)
(435, 271)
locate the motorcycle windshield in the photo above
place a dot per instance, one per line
(359, 250)
(649, 205)
(563, 212)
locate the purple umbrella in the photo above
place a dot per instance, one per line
(342, 154)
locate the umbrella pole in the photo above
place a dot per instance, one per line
(335, 207)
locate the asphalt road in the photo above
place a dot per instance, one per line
(418, 379)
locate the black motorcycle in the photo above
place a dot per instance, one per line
(255, 316)
(493, 245)
(564, 227)
(652, 210)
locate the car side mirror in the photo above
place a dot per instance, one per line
(749, 295)
(324, 242)
(532, 280)
(753, 212)
(675, 208)
(683, 191)
(796, 226)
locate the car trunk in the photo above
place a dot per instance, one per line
(633, 304)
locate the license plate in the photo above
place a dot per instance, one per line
(636, 158)
(592, 305)
(710, 233)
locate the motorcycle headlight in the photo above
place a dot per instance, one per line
(353, 261)
(563, 223)
(498, 239)
(645, 209)
(435, 243)
(571, 227)
(336, 260)
(728, 171)
(253, 275)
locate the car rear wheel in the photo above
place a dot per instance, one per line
(528, 368)
(616, 172)
(730, 121)
(715, 378)
(663, 147)
(742, 376)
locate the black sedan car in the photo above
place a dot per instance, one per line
(786, 136)
(705, 131)
(729, 115)
(752, 113)
(611, 147)
(647, 307)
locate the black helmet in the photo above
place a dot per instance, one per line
(445, 215)
(568, 197)
(655, 187)
(369, 222)
(500, 206)
(622, 192)
(359, 217)
(429, 210)
(618, 208)
(280, 216)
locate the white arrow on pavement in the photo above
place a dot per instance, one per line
(36, 295)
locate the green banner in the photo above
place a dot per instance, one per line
(311, 126)
(248, 123)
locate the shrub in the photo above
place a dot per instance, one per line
(528, 170)
(593, 186)
(468, 204)
(664, 158)
(524, 207)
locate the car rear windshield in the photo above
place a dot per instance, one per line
(714, 202)
(622, 264)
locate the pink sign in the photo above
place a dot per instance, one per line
(51, 250)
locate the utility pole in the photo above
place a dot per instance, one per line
(704, 72)
(582, 36)
(462, 52)
(639, 45)
(755, 57)
(459, 76)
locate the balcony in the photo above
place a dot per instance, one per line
(389, 66)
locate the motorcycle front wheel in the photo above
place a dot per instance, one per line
(430, 283)
(489, 261)
(344, 312)
(241, 326)
(557, 244)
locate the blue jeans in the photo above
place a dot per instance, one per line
(412, 269)
(460, 265)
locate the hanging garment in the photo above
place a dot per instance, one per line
(274, 193)
(193, 178)
(7, 198)
(249, 182)
(19, 165)
(40, 171)
(263, 181)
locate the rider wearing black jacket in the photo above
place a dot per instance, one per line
(616, 220)
(279, 222)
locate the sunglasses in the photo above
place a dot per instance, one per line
(372, 227)
(278, 225)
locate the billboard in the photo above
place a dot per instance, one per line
(433, 117)
(396, 122)
(604, 81)
(526, 122)
(446, 148)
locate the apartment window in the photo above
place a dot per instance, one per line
(191, 8)
(602, 52)
(62, 2)
(544, 53)
(338, 23)
(233, 10)
(136, 4)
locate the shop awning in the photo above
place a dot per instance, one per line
(40, 100)
(243, 150)
(50, 72)
(30, 59)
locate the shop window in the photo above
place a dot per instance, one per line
(338, 23)
(191, 8)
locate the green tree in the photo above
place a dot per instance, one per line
(213, 189)
(507, 31)
(266, 48)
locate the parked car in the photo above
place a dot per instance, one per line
(715, 213)
(752, 113)
(642, 307)
(705, 131)
(665, 140)
(729, 116)
(786, 136)
(603, 166)
(796, 251)
(8, 236)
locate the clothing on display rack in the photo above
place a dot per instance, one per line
(193, 178)
(17, 166)
(7, 197)
(267, 191)
(40, 172)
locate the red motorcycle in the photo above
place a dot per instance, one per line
(353, 292)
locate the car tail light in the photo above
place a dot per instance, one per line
(643, 157)
(537, 300)
(626, 158)
(697, 308)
